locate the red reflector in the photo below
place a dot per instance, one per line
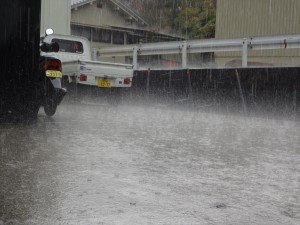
(53, 64)
(83, 77)
(127, 81)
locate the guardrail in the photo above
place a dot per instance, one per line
(204, 46)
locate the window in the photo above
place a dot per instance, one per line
(81, 31)
(133, 39)
(118, 37)
(69, 46)
(100, 35)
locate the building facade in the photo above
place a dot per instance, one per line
(246, 18)
(109, 23)
(56, 14)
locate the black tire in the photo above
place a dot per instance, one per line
(50, 108)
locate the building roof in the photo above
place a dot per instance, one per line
(116, 3)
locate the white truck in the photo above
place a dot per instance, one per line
(77, 65)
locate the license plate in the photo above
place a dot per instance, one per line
(104, 83)
(53, 73)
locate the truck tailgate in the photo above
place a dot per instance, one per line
(101, 74)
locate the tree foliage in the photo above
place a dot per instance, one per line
(196, 19)
(188, 18)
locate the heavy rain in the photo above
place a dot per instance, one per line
(151, 113)
(129, 164)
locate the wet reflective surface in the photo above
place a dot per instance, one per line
(103, 164)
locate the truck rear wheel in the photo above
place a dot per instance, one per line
(50, 107)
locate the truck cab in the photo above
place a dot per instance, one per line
(70, 47)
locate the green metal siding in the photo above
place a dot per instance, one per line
(245, 18)
(240, 18)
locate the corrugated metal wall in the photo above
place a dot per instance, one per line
(244, 18)
(240, 18)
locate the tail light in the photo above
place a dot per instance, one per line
(83, 77)
(53, 64)
(127, 81)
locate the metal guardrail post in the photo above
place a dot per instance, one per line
(94, 54)
(241, 91)
(135, 58)
(295, 100)
(191, 96)
(184, 55)
(148, 82)
(245, 53)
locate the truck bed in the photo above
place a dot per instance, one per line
(94, 72)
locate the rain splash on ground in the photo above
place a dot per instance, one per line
(135, 165)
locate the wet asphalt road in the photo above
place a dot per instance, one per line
(102, 164)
